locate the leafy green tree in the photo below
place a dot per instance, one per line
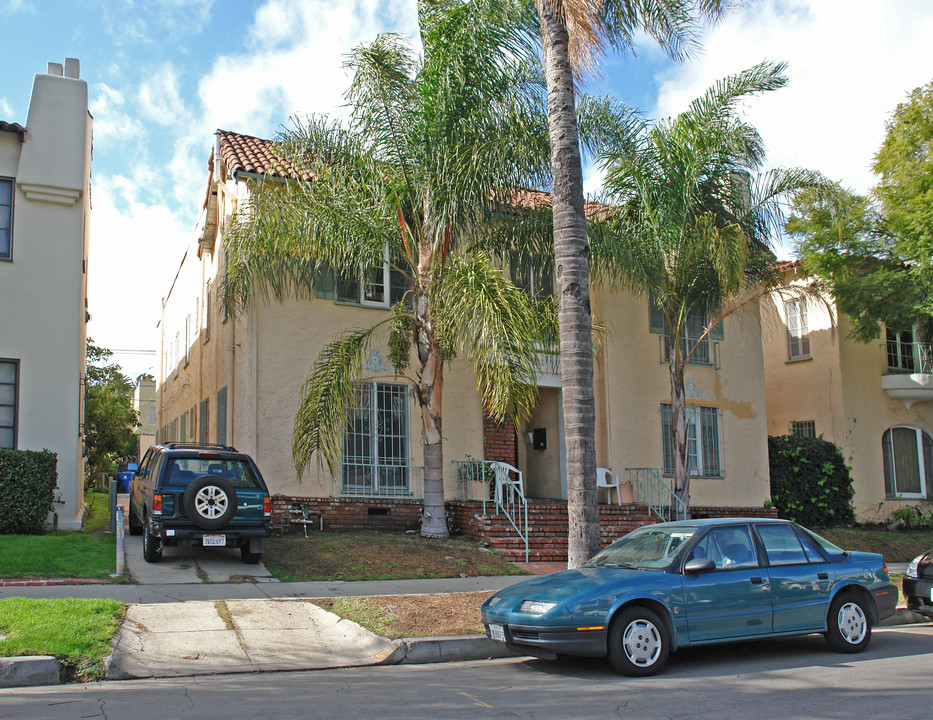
(695, 218)
(573, 34)
(109, 417)
(875, 254)
(423, 175)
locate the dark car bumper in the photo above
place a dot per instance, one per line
(232, 534)
(886, 601)
(919, 594)
(548, 642)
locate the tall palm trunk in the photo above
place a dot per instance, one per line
(571, 258)
(679, 426)
(430, 390)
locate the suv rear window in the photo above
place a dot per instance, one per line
(181, 471)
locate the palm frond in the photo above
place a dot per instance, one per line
(326, 397)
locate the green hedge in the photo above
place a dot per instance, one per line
(27, 488)
(810, 481)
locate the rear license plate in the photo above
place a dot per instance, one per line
(497, 632)
(214, 540)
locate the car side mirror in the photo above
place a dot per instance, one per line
(699, 565)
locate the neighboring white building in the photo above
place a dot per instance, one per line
(45, 170)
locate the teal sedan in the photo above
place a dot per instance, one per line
(693, 582)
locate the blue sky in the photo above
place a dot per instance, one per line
(164, 74)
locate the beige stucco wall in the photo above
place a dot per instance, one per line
(634, 383)
(44, 287)
(839, 388)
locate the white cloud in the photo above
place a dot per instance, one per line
(111, 121)
(159, 99)
(851, 63)
(134, 253)
(6, 110)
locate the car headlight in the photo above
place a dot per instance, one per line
(536, 607)
(912, 568)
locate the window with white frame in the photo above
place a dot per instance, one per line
(207, 311)
(703, 440)
(900, 350)
(798, 333)
(6, 219)
(381, 287)
(908, 462)
(376, 442)
(9, 393)
(533, 276)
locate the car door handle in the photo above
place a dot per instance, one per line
(757, 580)
(822, 576)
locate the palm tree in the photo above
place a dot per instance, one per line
(573, 33)
(419, 179)
(694, 219)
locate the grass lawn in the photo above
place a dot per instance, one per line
(894, 545)
(76, 631)
(61, 554)
(379, 556)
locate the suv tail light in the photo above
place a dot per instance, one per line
(157, 504)
(267, 506)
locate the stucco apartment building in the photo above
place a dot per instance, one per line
(144, 403)
(873, 399)
(237, 380)
(45, 170)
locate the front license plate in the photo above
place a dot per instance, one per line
(497, 632)
(214, 540)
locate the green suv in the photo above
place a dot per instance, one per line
(199, 494)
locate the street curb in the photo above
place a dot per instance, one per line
(451, 649)
(29, 671)
(903, 616)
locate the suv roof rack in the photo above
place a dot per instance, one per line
(213, 446)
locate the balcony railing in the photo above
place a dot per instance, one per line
(360, 479)
(909, 358)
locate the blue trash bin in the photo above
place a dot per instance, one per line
(125, 477)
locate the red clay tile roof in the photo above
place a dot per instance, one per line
(13, 128)
(785, 265)
(255, 156)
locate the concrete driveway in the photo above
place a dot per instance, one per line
(192, 565)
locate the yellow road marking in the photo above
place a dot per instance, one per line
(475, 700)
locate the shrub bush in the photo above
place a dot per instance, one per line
(27, 488)
(810, 482)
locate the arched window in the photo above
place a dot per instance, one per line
(908, 462)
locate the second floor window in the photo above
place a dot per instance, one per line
(798, 333)
(535, 278)
(703, 347)
(6, 219)
(900, 348)
(380, 287)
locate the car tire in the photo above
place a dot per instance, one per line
(249, 557)
(638, 642)
(210, 502)
(848, 624)
(136, 526)
(152, 545)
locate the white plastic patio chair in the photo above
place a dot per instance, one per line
(605, 478)
(507, 475)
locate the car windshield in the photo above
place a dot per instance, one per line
(181, 471)
(650, 547)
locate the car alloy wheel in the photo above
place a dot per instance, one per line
(210, 502)
(848, 626)
(638, 642)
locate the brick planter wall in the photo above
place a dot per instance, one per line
(347, 514)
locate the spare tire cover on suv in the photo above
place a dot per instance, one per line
(210, 502)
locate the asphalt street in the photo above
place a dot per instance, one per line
(782, 679)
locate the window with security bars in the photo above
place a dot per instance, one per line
(9, 373)
(798, 333)
(376, 442)
(803, 429)
(703, 441)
